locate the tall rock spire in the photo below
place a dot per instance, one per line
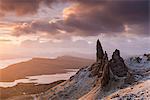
(99, 51)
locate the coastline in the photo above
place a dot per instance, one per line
(41, 79)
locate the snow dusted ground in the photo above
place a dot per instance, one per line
(75, 87)
(140, 67)
(139, 62)
(82, 87)
(140, 90)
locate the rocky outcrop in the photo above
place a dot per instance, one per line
(117, 65)
(108, 70)
(99, 80)
(101, 59)
(99, 52)
(115, 72)
(97, 68)
(101, 77)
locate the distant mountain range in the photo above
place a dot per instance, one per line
(42, 66)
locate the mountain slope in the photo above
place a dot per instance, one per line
(100, 80)
(105, 79)
(83, 86)
(38, 66)
(139, 89)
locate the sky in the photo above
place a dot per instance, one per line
(50, 28)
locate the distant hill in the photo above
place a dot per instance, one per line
(39, 66)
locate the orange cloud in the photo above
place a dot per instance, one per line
(21, 7)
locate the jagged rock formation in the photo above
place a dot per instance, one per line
(104, 78)
(101, 77)
(99, 53)
(107, 69)
(117, 64)
(114, 72)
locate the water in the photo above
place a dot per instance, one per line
(41, 79)
(6, 63)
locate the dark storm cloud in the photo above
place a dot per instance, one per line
(23, 7)
(108, 17)
(132, 11)
(88, 17)
(36, 27)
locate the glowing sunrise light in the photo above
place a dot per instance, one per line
(127, 29)
(68, 11)
(5, 29)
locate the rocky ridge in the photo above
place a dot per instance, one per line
(101, 77)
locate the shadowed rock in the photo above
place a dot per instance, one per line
(117, 65)
(105, 75)
(101, 58)
(114, 70)
(99, 52)
(97, 68)
(108, 70)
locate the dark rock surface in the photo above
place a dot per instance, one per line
(106, 69)
(99, 53)
(148, 56)
(97, 68)
(117, 65)
(105, 75)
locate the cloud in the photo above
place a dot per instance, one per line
(53, 48)
(1, 14)
(5, 40)
(23, 7)
(36, 27)
(92, 18)
(20, 7)
(127, 46)
(86, 17)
